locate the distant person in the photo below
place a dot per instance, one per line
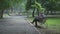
(41, 18)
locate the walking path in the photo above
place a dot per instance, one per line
(16, 25)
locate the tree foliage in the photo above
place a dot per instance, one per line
(5, 4)
(33, 3)
(51, 4)
(28, 5)
(8, 3)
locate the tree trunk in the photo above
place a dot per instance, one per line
(33, 12)
(1, 14)
(37, 12)
(47, 12)
(51, 12)
(27, 13)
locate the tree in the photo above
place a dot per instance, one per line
(33, 4)
(38, 7)
(5, 4)
(45, 5)
(28, 6)
(50, 5)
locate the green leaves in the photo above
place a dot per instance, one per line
(4, 4)
(28, 5)
(33, 3)
(51, 5)
(38, 5)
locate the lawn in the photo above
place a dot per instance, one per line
(5, 15)
(52, 23)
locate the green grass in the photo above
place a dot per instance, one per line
(5, 15)
(52, 23)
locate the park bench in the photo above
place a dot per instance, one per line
(39, 19)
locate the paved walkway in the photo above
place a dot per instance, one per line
(16, 25)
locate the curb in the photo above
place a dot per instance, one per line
(33, 25)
